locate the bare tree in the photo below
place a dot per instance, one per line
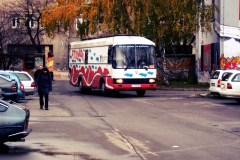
(28, 15)
(8, 36)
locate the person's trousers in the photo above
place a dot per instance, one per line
(41, 100)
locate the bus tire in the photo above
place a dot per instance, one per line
(141, 93)
(103, 89)
(80, 85)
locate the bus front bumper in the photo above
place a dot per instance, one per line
(152, 86)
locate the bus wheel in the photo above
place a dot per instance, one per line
(80, 85)
(103, 88)
(141, 93)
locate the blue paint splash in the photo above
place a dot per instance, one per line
(143, 74)
(151, 73)
(128, 74)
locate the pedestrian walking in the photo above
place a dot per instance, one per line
(36, 73)
(44, 86)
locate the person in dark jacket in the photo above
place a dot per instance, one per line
(44, 86)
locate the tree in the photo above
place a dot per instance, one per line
(61, 15)
(28, 14)
(169, 23)
(8, 35)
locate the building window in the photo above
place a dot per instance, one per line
(15, 22)
(31, 23)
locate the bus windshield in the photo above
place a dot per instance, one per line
(134, 56)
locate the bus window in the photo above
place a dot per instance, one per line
(110, 55)
(129, 56)
(86, 57)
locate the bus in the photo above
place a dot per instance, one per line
(113, 63)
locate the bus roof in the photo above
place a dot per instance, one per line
(112, 41)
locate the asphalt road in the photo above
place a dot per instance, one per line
(163, 125)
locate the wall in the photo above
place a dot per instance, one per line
(229, 34)
(179, 68)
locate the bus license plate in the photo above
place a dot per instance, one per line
(136, 85)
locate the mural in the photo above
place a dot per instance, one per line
(230, 59)
(206, 58)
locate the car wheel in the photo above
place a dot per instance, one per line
(16, 99)
(238, 100)
(103, 88)
(141, 93)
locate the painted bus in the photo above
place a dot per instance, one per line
(113, 63)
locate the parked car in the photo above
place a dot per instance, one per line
(216, 78)
(14, 120)
(20, 90)
(230, 86)
(9, 88)
(27, 80)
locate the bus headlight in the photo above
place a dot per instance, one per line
(119, 80)
(152, 80)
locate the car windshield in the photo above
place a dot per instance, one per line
(3, 107)
(22, 76)
(5, 75)
(226, 77)
(215, 75)
(134, 56)
(236, 78)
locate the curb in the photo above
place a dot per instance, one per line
(184, 89)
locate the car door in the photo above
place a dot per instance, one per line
(236, 84)
(3, 109)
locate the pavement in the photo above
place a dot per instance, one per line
(33, 104)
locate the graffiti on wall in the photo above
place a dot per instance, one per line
(206, 58)
(230, 59)
(208, 61)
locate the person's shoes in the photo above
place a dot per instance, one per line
(41, 107)
(46, 108)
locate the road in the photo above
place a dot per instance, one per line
(163, 125)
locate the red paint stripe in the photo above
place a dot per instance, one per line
(239, 9)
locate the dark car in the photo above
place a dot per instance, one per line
(9, 88)
(14, 120)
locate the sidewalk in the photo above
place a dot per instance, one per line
(55, 109)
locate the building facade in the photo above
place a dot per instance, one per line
(60, 42)
(219, 49)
